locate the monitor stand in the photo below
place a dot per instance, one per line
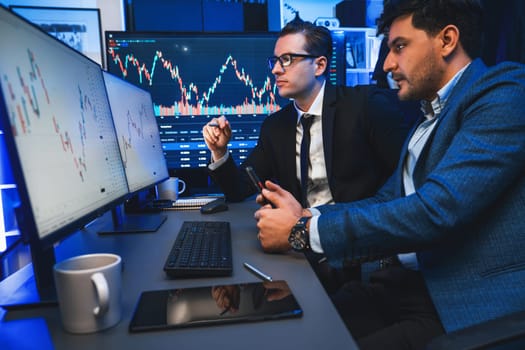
(133, 223)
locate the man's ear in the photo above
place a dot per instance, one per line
(449, 37)
(322, 65)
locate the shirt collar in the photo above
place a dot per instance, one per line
(317, 106)
(433, 108)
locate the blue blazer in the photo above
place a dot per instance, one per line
(466, 220)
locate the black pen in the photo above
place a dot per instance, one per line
(215, 125)
(258, 272)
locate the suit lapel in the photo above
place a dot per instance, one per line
(287, 150)
(328, 116)
(426, 161)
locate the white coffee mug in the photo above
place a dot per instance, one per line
(89, 292)
(171, 188)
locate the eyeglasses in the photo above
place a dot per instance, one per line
(286, 59)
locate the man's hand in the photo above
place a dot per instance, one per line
(276, 224)
(217, 134)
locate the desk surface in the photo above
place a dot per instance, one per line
(144, 255)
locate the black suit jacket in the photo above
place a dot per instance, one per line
(364, 128)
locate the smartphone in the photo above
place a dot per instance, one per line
(257, 183)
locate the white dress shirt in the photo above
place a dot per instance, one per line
(318, 188)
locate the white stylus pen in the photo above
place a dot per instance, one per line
(258, 272)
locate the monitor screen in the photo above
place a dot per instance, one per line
(193, 77)
(354, 55)
(137, 133)
(59, 133)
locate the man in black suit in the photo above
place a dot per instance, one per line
(356, 134)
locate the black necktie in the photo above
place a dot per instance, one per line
(306, 121)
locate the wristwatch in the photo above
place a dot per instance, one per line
(299, 238)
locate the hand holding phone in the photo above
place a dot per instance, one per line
(256, 181)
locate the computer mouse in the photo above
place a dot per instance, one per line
(214, 206)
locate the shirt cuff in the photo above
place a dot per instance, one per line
(215, 164)
(315, 241)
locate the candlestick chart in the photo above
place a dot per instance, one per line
(31, 100)
(205, 79)
(134, 132)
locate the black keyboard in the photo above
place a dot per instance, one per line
(202, 248)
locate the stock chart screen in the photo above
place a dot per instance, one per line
(195, 77)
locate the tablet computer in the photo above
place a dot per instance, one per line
(220, 304)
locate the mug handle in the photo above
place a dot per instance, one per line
(102, 291)
(183, 186)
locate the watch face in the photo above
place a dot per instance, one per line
(297, 240)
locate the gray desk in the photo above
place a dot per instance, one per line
(144, 255)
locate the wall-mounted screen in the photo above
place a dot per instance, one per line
(193, 77)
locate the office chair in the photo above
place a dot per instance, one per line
(504, 333)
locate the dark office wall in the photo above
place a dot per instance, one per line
(222, 16)
(351, 13)
(165, 15)
(255, 16)
(197, 15)
(504, 31)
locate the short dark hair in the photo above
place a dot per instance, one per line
(433, 15)
(318, 38)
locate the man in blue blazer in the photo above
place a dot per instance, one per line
(452, 213)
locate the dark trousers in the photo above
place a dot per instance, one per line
(392, 311)
(332, 279)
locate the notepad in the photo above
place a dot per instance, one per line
(191, 203)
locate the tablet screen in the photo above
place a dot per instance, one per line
(188, 307)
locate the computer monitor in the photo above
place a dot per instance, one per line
(140, 148)
(193, 77)
(60, 138)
